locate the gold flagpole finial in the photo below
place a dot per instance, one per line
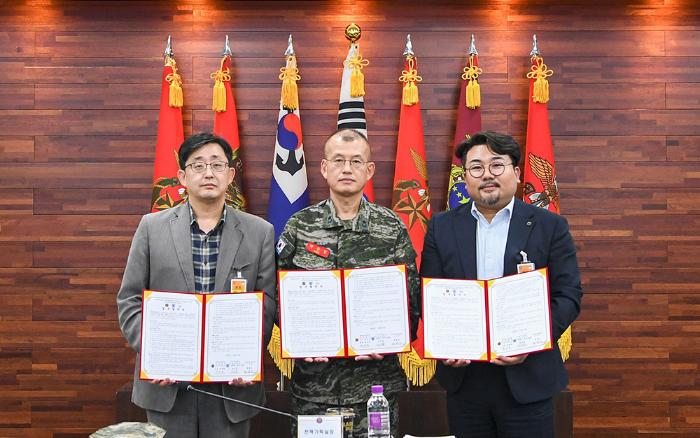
(472, 46)
(409, 76)
(535, 51)
(220, 76)
(408, 51)
(289, 75)
(173, 78)
(168, 49)
(539, 72)
(290, 47)
(471, 75)
(355, 62)
(227, 48)
(353, 32)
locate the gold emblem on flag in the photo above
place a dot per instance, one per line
(544, 171)
(411, 198)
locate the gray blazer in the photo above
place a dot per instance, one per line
(161, 259)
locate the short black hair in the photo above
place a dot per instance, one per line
(196, 141)
(502, 144)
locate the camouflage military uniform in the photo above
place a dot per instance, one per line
(375, 237)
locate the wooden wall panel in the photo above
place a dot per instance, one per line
(12, 96)
(327, 71)
(95, 148)
(79, 96)
(683, 148)
(17, 44)
(98, 70)
(91, 201)
(16, 148)
(578, 69)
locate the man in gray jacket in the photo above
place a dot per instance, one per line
(198, 246)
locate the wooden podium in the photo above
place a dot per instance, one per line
(422, 413)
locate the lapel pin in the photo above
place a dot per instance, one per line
(528, 223)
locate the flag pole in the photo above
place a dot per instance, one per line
(167, 191)
(411, 196)
(289, 184)
(408, 51)
(535, 51)
(169, 48)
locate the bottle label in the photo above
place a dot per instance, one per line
(375, 420)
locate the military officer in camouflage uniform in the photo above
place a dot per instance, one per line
(356, 233)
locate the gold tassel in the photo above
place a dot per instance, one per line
(540, 92)
(175, 98)
(473, 91)
(357, 83)
(410, 94)
(219, 97)
(565, 343)
(409, 77)
(357, 78)
(286, 366)
(289, 75)
(473, 94)
(539, 72)
(419, 371)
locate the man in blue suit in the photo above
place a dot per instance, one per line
(509, 396)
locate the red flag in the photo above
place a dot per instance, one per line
(539, 175)
(226, 126)
(167, 191)
(411, 200)
(468, 123)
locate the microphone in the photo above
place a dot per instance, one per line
(252, 405)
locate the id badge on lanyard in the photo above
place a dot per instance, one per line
(239, 284)
(526, 265)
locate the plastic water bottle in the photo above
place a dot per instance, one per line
(378, 414)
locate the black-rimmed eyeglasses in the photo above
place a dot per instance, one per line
(496, 168)
(201, 166)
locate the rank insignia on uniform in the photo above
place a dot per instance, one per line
(318, 250)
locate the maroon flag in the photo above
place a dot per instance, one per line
(468, 123)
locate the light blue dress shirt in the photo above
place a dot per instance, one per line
(491, 241)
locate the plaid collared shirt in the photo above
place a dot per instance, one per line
(205, 252)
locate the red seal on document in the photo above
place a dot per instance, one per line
(318, 250)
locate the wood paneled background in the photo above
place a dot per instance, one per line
(79, 94)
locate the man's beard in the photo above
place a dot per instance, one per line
(491, 200)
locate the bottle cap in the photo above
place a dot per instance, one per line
(377, 389)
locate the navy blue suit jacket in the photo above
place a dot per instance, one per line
(450, 252)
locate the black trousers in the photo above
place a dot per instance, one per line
(484, 407)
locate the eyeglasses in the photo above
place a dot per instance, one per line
(201, 166)
(339, 163)
(497, 168)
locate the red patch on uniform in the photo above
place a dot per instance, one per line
(318, 250)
